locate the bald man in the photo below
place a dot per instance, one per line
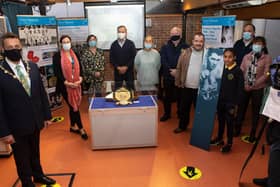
(170, 53)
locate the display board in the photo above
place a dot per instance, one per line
(38, 36)
(104, 20)
(208, 94)
(3, 29)
(219, 31)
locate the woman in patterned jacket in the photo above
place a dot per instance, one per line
(93, 62)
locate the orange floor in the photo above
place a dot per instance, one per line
(63, 152)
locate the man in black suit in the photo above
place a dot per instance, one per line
(122, 54)
(24, 111)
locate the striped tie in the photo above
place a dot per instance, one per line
(23, 79)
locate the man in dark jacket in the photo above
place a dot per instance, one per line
(244, 45)
(24, 111)
(170, 53)
(122, 54)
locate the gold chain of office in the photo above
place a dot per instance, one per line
(13, 75)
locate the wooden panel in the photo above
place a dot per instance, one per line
(192, 4)
(270, 10)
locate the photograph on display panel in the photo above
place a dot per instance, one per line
(212, 69)
(37, 35)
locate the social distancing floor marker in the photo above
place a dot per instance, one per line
(53, 185)
(190, 173)
(245, 139)
(57, 119)
(70, 183)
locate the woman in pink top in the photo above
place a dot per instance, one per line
(255, 67)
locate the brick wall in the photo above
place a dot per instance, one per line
(161, 25)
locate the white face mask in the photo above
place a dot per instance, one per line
(66, 46)
(121, 35)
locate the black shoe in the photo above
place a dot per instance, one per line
(260, 181)
(44, 180)
(164, 118)
(226, 148)
(83, 134)
(217, 142)
(76, 131)
(27, 184)
(178, 130)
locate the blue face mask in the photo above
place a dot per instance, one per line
(247, 35)
(148, 45)
(92, 43)
(256, 48)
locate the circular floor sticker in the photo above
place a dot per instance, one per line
(57, 119)
(245, 139)
(190, 173)
(54, 185)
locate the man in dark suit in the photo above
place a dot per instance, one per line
(24, 111)
(122, 54)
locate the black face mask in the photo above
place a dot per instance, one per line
(175, 38)
(13, 54)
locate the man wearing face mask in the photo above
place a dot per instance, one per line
(24, 111)
(255, 68)
(244, 45)
(122, 54)
(187, 78)
(147, 65)
(170, 53)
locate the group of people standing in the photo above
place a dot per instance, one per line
(245, 75)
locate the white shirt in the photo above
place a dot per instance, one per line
(121, 42)
(23, 70)
(192, 78)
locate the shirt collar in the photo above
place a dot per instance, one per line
(231, 67)
(13, 65)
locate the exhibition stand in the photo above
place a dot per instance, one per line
(114, 126)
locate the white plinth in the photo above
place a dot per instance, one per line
(124, 127)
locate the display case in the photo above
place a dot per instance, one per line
(114, 126)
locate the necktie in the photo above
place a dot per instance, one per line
(23, 79)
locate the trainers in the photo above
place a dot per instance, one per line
(226, 148)
(260, 181)
(217, 142)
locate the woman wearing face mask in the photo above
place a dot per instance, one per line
(147, 65)
(93, 62)
(255, 68)
(68, 72)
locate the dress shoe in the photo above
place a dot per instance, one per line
(44, 180)
(178, 130)
(164, 118)
(27, 184)
(260, 181)
(226, 148)
(83, 134)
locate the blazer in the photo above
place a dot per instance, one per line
(21, 114)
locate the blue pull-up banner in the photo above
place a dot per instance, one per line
(208, 94)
